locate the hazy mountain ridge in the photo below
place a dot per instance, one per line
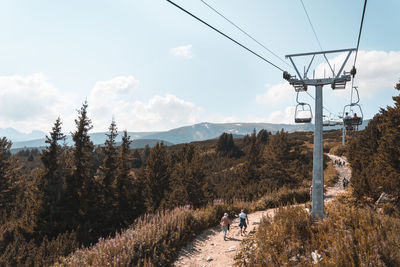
(186, 134)
(17, 136)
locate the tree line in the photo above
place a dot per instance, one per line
(82, 192)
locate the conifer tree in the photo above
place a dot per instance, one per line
(146, 153)
(127, 194)
(82, 189)
(253, 157)
(136, 159)
(374, 154)
(5, 183)
(278, 147)
(188, 179)
(226, 146)
(51, 183)
(108, 178)
(263, 136)
(157, 175)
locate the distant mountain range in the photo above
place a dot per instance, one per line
(186, 134)
(17, 136)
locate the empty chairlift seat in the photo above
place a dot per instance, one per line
(303, 113)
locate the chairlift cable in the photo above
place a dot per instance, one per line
(244, 32)
(223, 34)
(359, 34)
(358, 45)
(312, 27)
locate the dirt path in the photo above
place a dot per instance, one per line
(210, 249)
(343, 172)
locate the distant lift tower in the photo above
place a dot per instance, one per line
(337, 81)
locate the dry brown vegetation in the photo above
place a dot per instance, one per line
(349, 236)
(154, 240)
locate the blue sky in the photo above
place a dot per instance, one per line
(152, 67)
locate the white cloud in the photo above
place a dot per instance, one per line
(286, 116)
(113, 98)
(276, 93)
(376, 70)
(182, 51)
(28, 102)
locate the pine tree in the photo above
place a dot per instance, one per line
(278, 147)
(5, 183)
(136, 160)
(126, 193)
(157, 174)
(263, 136)
(226, 146)
(146, 154)
(187, 179)
(108, 172)
(82, 190)
(51, 183)
(253, 157)
(374, 154)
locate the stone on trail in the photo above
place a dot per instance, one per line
(233, 248)
(209, 259)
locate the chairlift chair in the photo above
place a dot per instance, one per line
(353, 119)
(303, 113)
(355, 114)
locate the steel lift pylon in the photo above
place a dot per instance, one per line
(301, 83)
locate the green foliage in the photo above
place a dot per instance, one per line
(347, 237)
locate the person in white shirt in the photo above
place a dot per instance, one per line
(243, 219)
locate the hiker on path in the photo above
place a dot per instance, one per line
(225, 221)
(345, 182)
(243, 219)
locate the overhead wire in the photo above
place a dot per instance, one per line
(358, 45)
(243, 46)
(226, 36)
(319, 44)
(244, 32)
(359, 34)
(312, 27)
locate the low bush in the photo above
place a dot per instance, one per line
(284, 196)
(349, 236)
(330, 175)
(338, 150)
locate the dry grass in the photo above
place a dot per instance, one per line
(155, 239)
(330, 175)
(349, 236)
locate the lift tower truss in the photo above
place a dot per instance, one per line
(337, 81)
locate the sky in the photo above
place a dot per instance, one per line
(151, 67)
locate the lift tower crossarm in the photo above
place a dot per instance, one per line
(321, 52)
